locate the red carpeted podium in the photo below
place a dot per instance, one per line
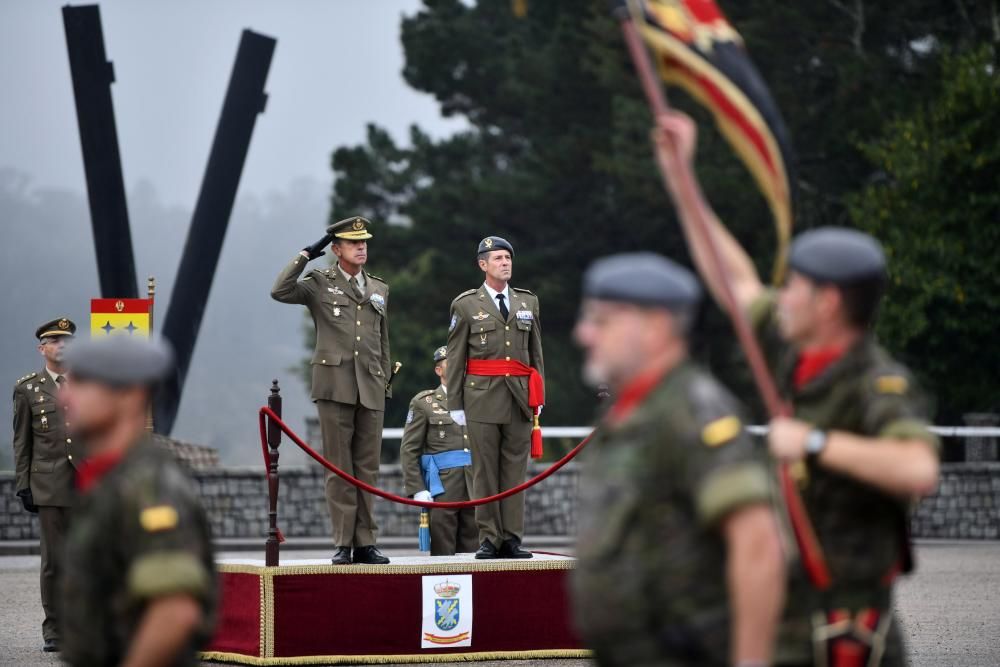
(422, 609)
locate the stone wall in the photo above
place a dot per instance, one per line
(966, 506)
(236, 500)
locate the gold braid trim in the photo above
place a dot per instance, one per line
(442, 568)
(394, 659)
(268, 605)
(264, 620)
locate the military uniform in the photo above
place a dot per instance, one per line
(862, 531)
(350, 371)
(668, 462)
(497, 408)
(140, 533)
(431, 431)
(45, 460)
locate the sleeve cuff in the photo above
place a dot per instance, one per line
(910, 429)
(168, 573)
(730, 488)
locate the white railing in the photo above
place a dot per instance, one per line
(584, 431)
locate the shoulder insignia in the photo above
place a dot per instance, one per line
(423, 393)
(308, 278)
(721, 431)
(378, 278)
(464, 294)
(27, 377)
(891, 384)
(526, 291)
(158, 518)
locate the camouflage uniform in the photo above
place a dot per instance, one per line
(139, 534)
(650, 585)
(862, 531)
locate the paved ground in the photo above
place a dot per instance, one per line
(950, 610)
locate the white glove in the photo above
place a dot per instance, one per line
(423, 496)
(458, 416)
(540, 410)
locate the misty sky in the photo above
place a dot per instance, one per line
(336, 66)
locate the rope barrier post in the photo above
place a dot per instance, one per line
(273, 441)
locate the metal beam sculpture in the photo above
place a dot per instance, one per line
(245, 98)
(93, 75)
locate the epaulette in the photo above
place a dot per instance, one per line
(378, 278)
(526, 291)
(465, 294)
(26, 377)
(425, 392)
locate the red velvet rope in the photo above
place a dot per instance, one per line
(267, 413)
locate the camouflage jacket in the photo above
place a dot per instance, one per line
(650, 579)
(139, 534)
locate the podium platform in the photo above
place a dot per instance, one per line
(421, 609)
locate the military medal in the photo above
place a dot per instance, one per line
(482, 339)
(441, 434)
(45, 423)
(336, 311)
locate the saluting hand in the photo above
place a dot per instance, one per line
(787, 439)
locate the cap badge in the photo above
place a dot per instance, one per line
(480, 316)
(488, 242)
(358, 225)
(63, 324)
(119, 305)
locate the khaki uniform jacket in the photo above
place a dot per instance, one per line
(430, 430)
(477, 331)
(351, 359)
(45, 456)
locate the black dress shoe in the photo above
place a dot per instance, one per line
(50, 646)
(369, 556)
(487, 551)
(343, 556)
(512, 549)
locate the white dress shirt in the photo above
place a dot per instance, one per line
(360, 277)
(493, 295)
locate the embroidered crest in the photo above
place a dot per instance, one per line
(525, 315)
(454, 321)
(378, 299)
(409, 416)
(480, 316)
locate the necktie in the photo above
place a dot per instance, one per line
(357, 287)
(60, 381)
(504, 311)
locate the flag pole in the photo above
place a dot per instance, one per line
(805, 536)
(151, 295)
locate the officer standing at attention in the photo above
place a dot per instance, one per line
(138, 586)
(436, 463)
(494, 355)
(45, 458)
(679, 552)
(860, 423)
(350, 372)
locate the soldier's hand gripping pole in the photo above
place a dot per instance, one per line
(805, 537)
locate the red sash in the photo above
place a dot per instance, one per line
(536, 389)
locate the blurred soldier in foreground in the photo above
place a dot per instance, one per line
(495, 355)
(45, 459)
(436, 462)
(138, 585)
(350, 374)
(860, 424)
(679, 553)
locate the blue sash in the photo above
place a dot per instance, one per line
(432, 464)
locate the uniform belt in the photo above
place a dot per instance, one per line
(431, 466)
(536, 388)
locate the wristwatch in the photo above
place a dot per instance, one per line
(815, 443)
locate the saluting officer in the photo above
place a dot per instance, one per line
(45, 459)
(494, 357)
(860, 425)
(679, 554)
(350, 372)
(436, 463)
(138, 586)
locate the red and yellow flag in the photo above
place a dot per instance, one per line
(697, 49)
(117, 317)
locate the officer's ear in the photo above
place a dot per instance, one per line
(335, 247)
